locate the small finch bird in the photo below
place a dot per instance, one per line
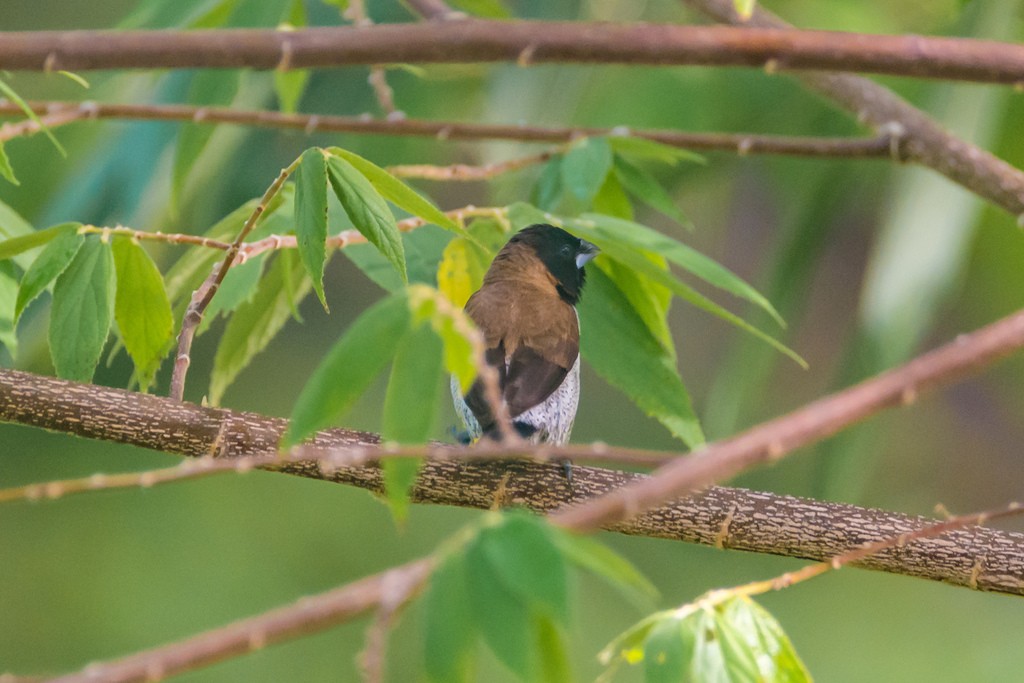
(526, 310)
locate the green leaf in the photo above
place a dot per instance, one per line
(554, 660)
(5, 166)
(311, 216)
(367, 211)
(50, 263)
(548, 191)
(448, 635)
(349, 368)
(12, 224)
(458, 350)
(488, 9)
(8, 291)
(642, 238)
(410, 409)
(210, 87)
(611, 199)
(461, 271)
(647, 189)
(502, 616)
(668, 651)
(290, 85)
(397, 192)
(83, 308)
(621, 250)
(602, 561)
(744, 8)
(649, 299)
(141, 308)
(8, 92)
(239, 286)
(647, 374)
(585, 167)
(423, 252)
(651, 150)
(770, 648)
(18, 245)
(529, 563)
(256, 322)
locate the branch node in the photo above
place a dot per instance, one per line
(395, 116)
(744, 146)
(722, 537)
(311, 124)
(976, 569)
(285, 63)
(908, 396)
(50, 63)
(771, 67)
(525, 57)
(200, 115)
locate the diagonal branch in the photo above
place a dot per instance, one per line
(924, 140)
(520, 41)
(979, 558)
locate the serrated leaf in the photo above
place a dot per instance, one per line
(8, 292)
(141, 308)
(367, 211)
(397, 192)
(668, 651)
(647, 374)
(602, 561)
(584, 168)
(629, 256)
(461, 271)
(547, 192)
(423, 250)
(502, 616)
(18, 245)
(458, 350)
(256, 322)
(311, 216)
(209, 88)
(410, 409)
(647, 189)
(449, 638)
(239, 286)
(770, 648)
(5, 167)
(644, 148)
(649, 299)
(349, 367)
(50, 263)
(82, 311)
(530, 564)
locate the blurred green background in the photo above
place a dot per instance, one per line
(868, 260)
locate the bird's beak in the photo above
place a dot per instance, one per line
(587, 252)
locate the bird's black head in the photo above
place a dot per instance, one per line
(562, 253)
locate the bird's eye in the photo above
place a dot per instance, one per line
(566, 250)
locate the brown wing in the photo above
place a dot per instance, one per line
(533, 350)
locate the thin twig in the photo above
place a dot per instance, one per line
(201, 297)
(737, 143)
(307, 615)
(27, 127)
(378, 78)
(517, 41)
(464, 172)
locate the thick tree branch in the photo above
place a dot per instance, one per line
(979, 558)
(925, 141)
(524, 42)
(882, 146)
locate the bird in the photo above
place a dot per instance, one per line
(526, 312)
